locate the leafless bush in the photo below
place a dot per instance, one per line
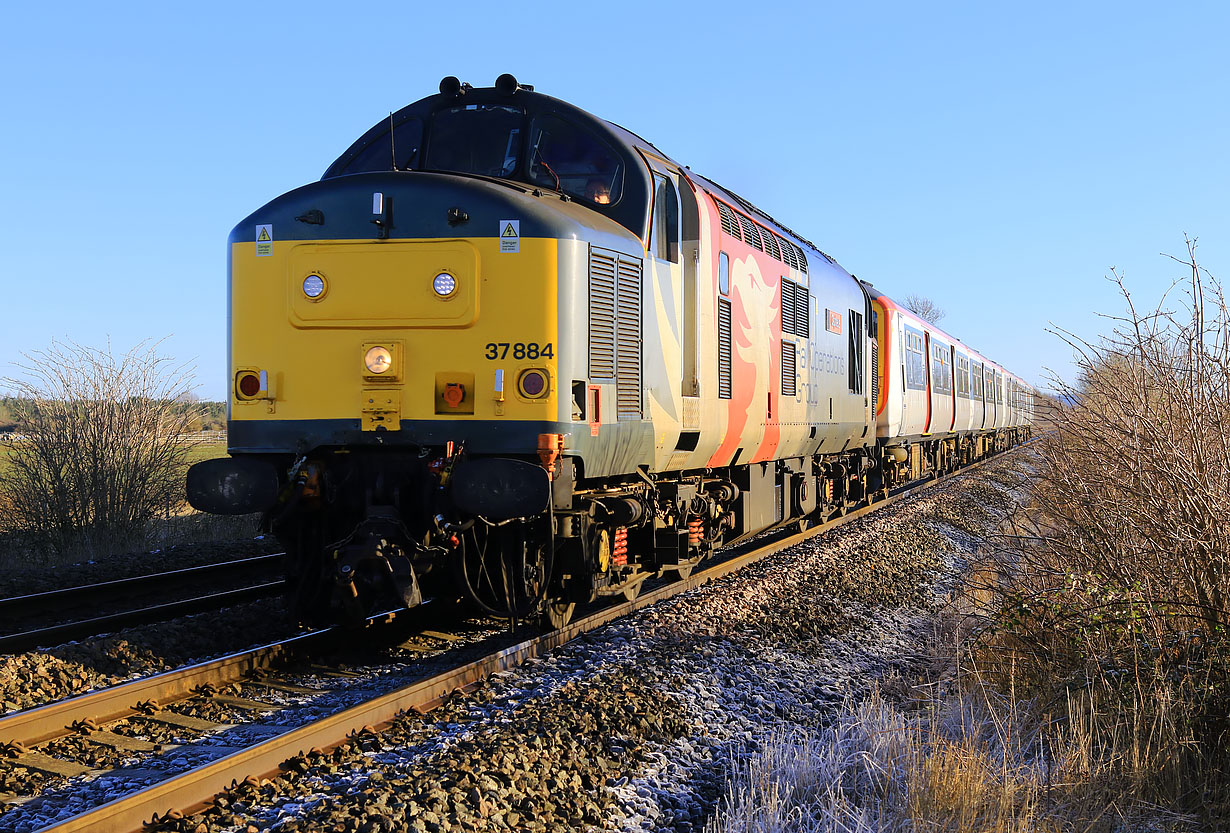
(102, 449)
(1119, 595)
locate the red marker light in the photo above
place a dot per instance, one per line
(532, 383)
(249, 385)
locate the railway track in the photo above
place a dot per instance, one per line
(41, 619)
(194, 788)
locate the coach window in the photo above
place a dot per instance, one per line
(568, 158)
(724, 273)
(941, 373)
(915, 367)
(962, 376)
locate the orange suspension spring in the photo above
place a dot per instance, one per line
(696, 531)
(619, 550)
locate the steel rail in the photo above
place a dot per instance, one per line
(193, 790)
(27, 728)
(52, 599)
(53, 634)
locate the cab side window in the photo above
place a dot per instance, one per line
(665, 231)
(568, 158)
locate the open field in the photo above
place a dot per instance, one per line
(203, 451)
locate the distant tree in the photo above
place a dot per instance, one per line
(6, 415)
(924, 308)
(213, 416)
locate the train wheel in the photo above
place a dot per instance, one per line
(683, 571)
(505, 569)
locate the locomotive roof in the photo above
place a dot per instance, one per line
(631, 212)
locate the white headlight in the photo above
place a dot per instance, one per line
(444, 284)
(378, 360)
(313, 286)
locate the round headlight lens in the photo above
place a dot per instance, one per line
(444, 284)
(313, 286)
(378, 360)
(533, 383)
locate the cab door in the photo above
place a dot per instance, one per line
(671, 310)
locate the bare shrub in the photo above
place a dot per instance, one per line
(102, 447)
(1115, 609)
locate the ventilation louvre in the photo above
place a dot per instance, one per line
(615, 327)
(729, 224)
(770, 244)
(795, 317)
(724, 388)
(789, 372)
(875, 376)
(601, 315)
(751, 234)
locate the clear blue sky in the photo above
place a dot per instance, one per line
(998, 158)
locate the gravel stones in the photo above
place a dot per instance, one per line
(498, 761)
(35, 678)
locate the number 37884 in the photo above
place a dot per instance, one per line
(519, 350)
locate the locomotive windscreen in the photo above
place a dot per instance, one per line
(490, 140)
(378, 154)
(480, 139)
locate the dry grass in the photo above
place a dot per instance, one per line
(969, 762)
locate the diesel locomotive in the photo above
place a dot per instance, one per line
(509, 352)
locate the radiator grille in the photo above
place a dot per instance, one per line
(789, 373)
(615, 327)
(795, 317)
(601, 315)
(788, 324)
(723, 348)
(628, 341)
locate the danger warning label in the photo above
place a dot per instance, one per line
(510, 236)
(264, 240)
